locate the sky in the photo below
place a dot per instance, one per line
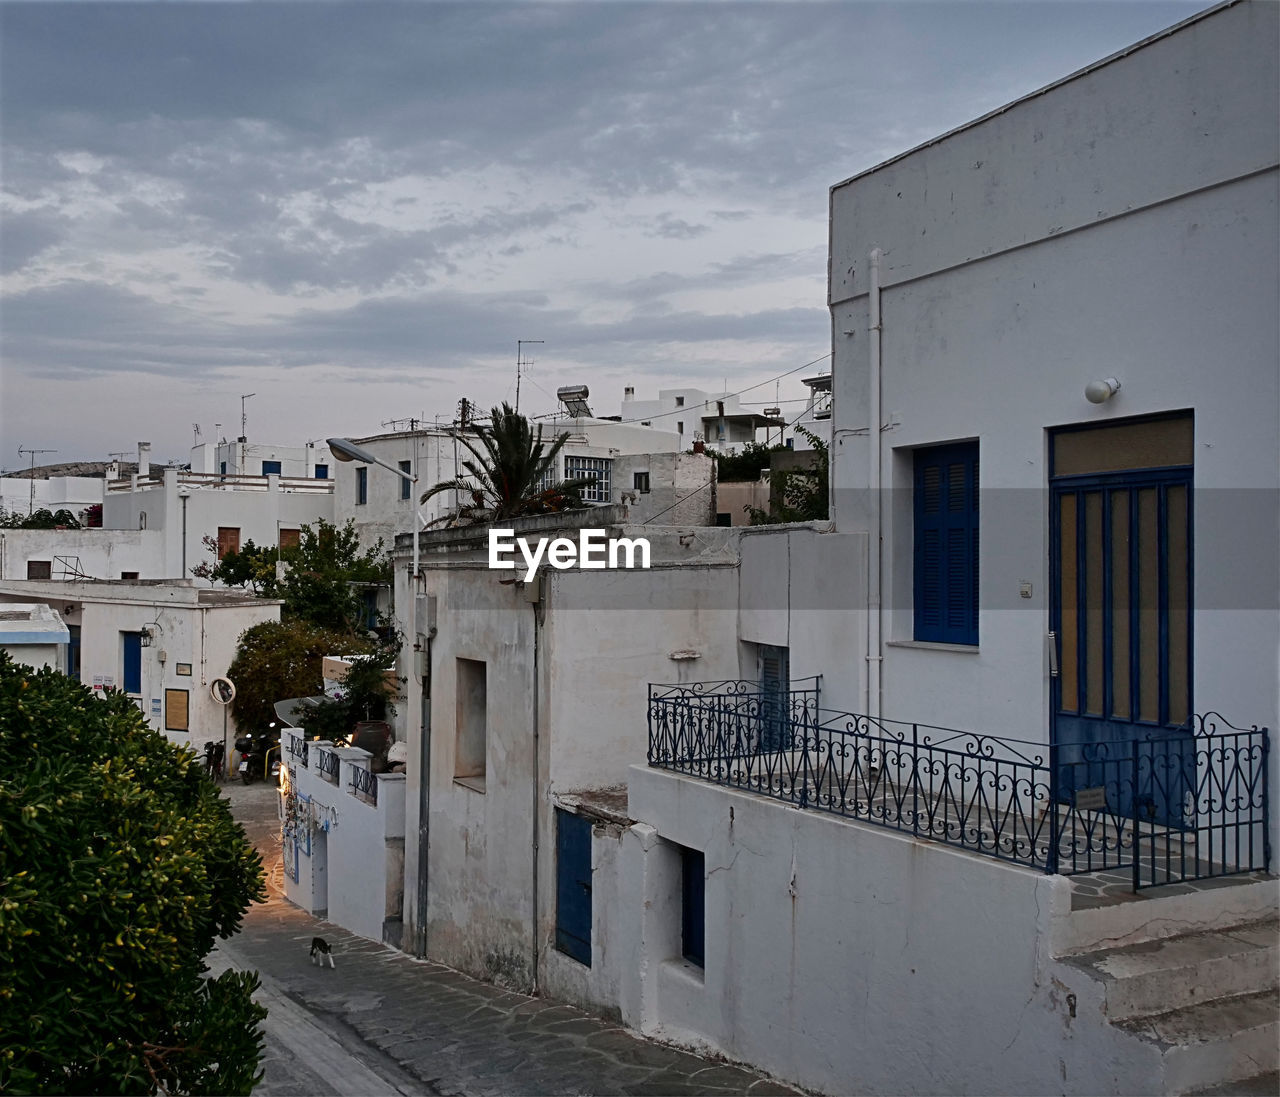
(353, 211)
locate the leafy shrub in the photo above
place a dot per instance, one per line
(120, 865)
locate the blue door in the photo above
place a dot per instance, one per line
(573, 885)
(131, 650)
(1121, 615)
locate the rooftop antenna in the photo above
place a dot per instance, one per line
(243, 418)
(521, 362)
(196, 428)
(31, 506)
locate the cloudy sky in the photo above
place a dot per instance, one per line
(355, 210)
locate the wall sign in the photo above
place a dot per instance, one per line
(177, 710)
(183, 670)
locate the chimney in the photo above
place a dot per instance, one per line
(629, 393)
(144, 460)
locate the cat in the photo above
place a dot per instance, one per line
(321, 951)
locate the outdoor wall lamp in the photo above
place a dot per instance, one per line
(146, 634)
(1099, 392)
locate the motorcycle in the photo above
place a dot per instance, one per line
(253, 753)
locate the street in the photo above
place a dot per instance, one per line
(382, 1022)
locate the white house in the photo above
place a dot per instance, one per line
(34, 634)
(24, 495)
(161, 643)
(716, 419)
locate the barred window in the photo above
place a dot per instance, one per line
(597, 467)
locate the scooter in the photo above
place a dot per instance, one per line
(253, 753)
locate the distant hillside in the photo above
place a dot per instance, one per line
(94, 469)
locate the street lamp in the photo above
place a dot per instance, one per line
(345, 450)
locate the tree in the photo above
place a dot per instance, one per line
(510, 473)
(40, 519)
(120, 865)
(322, 580)
(747, 464)
(365, 695)
(276, 660)
(798, 495)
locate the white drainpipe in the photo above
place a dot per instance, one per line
(874, 648)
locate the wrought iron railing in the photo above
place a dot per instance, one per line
(1170, 805)
(298, 749)
(327, 764)
(364, 785)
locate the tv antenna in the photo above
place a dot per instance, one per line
(31, 506)
(243, 417)
(522, 362)
(196, 428)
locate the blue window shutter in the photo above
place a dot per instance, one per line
(362, 486)
(946, 544)
(270, 468)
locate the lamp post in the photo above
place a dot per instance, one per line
(345, 450)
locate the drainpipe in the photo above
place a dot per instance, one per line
(874, 649)
(537, 772)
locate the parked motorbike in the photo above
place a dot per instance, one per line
(259, 754)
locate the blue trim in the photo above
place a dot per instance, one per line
(131, 662)
(270, 468)
(573, 885)
(406, 486)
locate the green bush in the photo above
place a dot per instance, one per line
(120, 866)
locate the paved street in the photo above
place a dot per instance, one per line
(382, 1022)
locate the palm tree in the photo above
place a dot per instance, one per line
(507, 474)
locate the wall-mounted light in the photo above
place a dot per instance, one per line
(1099, 392)
(146, 634)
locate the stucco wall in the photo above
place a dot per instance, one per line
(98, 553)
(852, 959)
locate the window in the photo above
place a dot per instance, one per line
(322, 472)
(406, 486)
(472, 722)
(724, 518)
(228, 540)
(39, 569)
(222, 468)
(270, 468)
(290, 538)
(693, 915)
(128, 575)
(368, 616)
(573, 885)
(679, 401)
(680, 426)
(773, 670)
(599, 469)
(640, 481)
(946, 544)
(362, 486)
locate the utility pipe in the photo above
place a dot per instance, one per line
(874, 482)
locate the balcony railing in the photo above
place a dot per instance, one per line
(298, 750)
(364, 785)
(328, 764)
(1168, 806)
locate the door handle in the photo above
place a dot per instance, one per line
(1053, 654)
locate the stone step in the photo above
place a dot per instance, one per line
(1258, 1085)
(1172, 973)
(1216, 1042)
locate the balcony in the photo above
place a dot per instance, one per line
(1169, 806)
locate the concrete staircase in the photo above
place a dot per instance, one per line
(1206, 1002)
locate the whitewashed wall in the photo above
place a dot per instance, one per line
(851, 959)
(72, 493)
(99, 553)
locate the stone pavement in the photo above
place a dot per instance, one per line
(384, 1022)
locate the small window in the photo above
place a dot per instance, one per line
(472, 722)
(693, 914)
(679, 401)
(640, 482)
(228, 540)
(946, 544)
(322, 472)
(270, 468)
(362, 486)
(680, 426)
(222, 467)
(724, 518)
(39, 569)
(406, 486)
(290, 538)
(128, 575)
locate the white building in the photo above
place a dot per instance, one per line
(34, 634)
(716, 419)
(161, 643)
(244, 458)
(23, 495)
